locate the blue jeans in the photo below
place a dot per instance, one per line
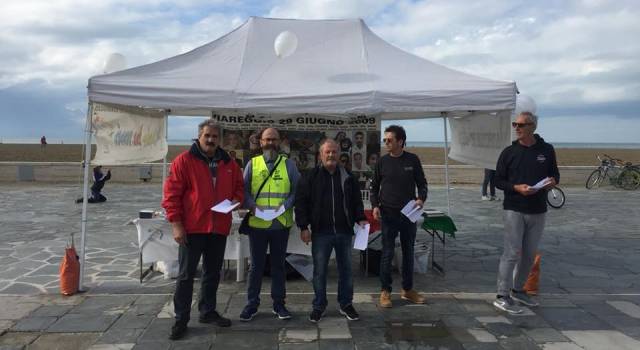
(276, 241)
(321, 247)
(211, 247)
(391, 226)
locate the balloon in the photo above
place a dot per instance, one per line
(115, 62)
(525, 103)
(285, 44)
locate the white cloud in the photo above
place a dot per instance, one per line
(328, 9)
(67, 41)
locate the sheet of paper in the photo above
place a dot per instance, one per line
(225, 206)
(303, 264)
(269, 214)
(362, 236)
(412, 211)
(541, 184)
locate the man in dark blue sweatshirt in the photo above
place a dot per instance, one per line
(521, 166)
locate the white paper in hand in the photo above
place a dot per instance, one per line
(412, 211)
(362, 236)
(225, 206)
(541, 183)
(269, 214)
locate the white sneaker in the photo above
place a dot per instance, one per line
(485, 198)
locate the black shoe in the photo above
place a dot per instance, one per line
(349, 312)
(316, 315)
(214, 317)
(178, 330)
(281, 312)
(248, 313)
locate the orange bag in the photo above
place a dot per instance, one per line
(69, 271)
(531, 287)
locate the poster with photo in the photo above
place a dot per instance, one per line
(358, 139)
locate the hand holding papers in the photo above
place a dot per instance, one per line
(541, 184)
(225, 206)
(362, 236)
(269, 214)
(412, 211)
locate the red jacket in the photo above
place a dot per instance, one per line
(189, 192)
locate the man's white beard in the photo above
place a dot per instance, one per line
(269, 154)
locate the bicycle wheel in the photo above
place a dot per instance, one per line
(593, 181)
(629, 179)
(555, 197)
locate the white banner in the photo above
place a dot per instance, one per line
(301, 122)
(127, 135)
(480, 138)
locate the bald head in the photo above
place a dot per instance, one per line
(269, 140)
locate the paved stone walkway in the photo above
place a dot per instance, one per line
(590, 283)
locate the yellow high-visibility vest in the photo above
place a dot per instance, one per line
(273, 194)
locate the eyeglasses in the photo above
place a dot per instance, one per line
(520, 125)
(385, 140)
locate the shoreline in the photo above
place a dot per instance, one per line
(428, 155)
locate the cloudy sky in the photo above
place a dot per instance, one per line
(580, 60)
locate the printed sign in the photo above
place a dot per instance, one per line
(127, 135)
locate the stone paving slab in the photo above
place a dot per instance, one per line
(86, 322)
(63, 341)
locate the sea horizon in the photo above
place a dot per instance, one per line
(179, 142)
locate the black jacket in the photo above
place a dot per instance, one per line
(520, 164)
(314, 187)
(395, 180)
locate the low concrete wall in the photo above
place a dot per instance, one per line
(73, 173)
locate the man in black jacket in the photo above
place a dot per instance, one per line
(395, 179)
(521, 166)
(328, 199)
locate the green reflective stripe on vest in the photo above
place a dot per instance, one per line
(274, 192)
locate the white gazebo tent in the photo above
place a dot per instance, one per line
(340, 68)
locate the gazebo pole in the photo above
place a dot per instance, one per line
(85, 194)
(446, 161)
(164, 160)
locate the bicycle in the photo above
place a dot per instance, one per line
(608, 168)
(629, 177)
(556, 197)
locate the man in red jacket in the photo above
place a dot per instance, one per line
(200, 178)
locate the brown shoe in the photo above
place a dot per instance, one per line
(385, 299)
(412, 296)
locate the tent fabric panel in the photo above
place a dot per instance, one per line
(340, 67)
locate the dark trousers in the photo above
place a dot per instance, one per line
(259, 241)
(392, 225)
(489, 179)
(321, 247)
(211, 247)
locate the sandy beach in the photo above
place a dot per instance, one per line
(428, 155)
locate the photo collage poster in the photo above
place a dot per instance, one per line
(300, 139)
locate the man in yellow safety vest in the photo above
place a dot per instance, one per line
(270, 181)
